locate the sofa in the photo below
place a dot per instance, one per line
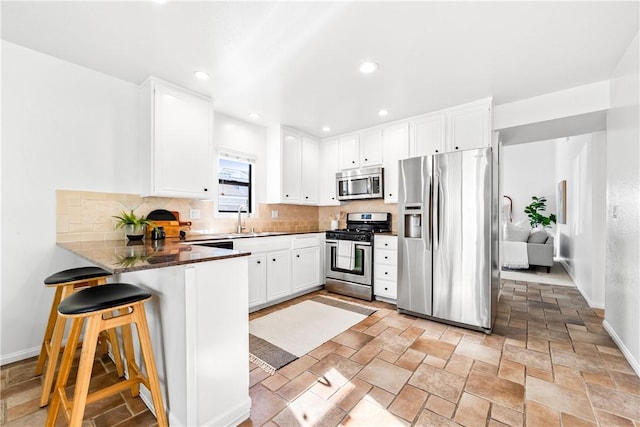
(523, 247)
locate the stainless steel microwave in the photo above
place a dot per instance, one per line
(360, 184)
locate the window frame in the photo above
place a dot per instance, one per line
(235, 156)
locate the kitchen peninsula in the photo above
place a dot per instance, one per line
(197, 319)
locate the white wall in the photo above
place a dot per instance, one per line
(63, 127)
(622, 299)
(247, 138)
(529, 170)
(581, 161)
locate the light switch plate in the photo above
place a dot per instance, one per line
(194, 214)
(274, 213)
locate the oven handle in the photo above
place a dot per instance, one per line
(357, 242)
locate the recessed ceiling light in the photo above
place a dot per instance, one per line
(368, 67)
(254, 115)
(383, 113)
(326, 129)
(201, 75)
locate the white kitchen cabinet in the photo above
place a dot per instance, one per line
(361, 150)
(309, 170)
(278, 274)
(385, 267)
(470, 126)
(292, 172)
(175, 141)
(257, 279)
(371, 148)
(305, 268)
(306, 261)
(291, 167)
(395, 147)
(329, 154)
(428, 135)
(462, 127)
(349, 152)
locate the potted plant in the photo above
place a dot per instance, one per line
(134, 226)
(539, 204)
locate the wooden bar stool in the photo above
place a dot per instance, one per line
(93, 304)
(66, 283)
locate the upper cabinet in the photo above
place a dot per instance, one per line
(176, 141)
(361, 150)
(459, 128)
(329, 154)
(292, 175)
(395, 147)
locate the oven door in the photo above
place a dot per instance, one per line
(362, 266)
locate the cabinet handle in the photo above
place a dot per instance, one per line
(390, 194)
(258, 262)
(286, 195)
(353, 161)
(386, 244)
(386, 257)
(366, 160)
(274, 260)
(457, 147)
(386, 289)
(206, 189)
(436, 151)
(333, 198)
(297, 256)
(306, 197)
(386, 272)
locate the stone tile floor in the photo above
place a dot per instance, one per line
(549, 362)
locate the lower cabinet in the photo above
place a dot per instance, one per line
(278, 277)
(257, 279)
(282, 266)
(385, 267)
(305, 268)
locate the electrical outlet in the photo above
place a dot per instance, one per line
(194, 214)
(274, 214)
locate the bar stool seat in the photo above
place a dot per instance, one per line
(66, 283)
(93, 304)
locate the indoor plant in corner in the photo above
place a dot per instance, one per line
(134, 226)
(539, 204)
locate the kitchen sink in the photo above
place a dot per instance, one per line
(221, 236)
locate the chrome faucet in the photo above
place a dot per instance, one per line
(240, 227)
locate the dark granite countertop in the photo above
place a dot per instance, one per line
(194, 237)
(121, 256)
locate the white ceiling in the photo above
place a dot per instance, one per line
(296, 63)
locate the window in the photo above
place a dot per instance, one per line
(234, 184)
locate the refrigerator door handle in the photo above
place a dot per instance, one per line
(429, 224)
(436, 202)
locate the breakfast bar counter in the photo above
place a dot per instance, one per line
(121, 256)
(198, 322)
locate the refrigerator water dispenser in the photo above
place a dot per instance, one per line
(413, 224)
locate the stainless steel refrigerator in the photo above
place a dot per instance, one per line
(447, 238)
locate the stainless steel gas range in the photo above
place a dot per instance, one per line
(349, 254)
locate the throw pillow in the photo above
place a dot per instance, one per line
(538, 237)
(515, 234)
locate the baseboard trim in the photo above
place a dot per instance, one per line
(635, 364)
(17, 356)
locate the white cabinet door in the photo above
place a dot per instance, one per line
(310, 157)
(291, 164)
(371, 148)
(395, 147)
(470, 127)
(329, 166)
(257, 280)
(428, 135)
(349, 147)
(278, 275)
(176, 141)
(306, 268)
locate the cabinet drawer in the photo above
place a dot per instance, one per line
(386, 257)
(385, 288)
(385, 272)
(385, 242)
(305, 242)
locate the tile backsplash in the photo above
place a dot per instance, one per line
(87, 216)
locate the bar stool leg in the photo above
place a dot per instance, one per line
(140, 319)
(65, 369)
(129, 354)
(84, 369)
(53, 345)
(48, 333)
(115, 348)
